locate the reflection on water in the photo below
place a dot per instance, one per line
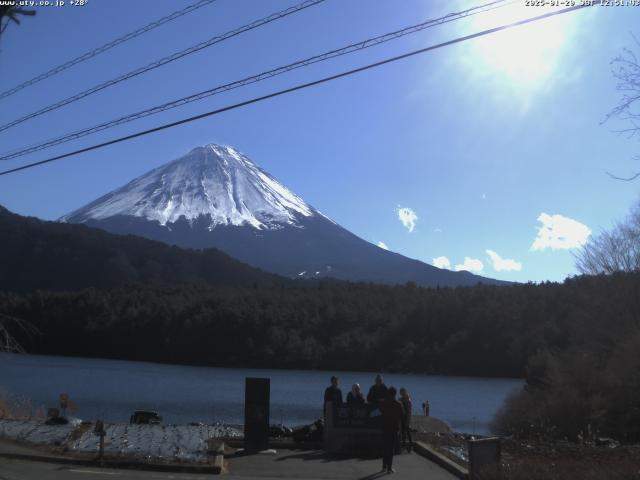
(112, 389)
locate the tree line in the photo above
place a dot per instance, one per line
(590, 385)
(536, 330)
(35, 254)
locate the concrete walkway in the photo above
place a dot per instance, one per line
(315, 465)
(299, 464)
(23, 470)
(284, 463)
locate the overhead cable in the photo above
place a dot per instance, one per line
(298, 87)
(107, 46)
(164, 61)
(254, 79)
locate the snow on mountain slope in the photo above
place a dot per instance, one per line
(215, 197)
(216, 181)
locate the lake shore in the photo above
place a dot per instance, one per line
(111, 389)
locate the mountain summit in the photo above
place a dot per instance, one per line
(215, 196)
(213, 181)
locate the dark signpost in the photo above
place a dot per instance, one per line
(256, 413)
(100, 432)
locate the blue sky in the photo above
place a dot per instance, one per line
(489, 153)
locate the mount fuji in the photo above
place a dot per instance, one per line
(215, 196)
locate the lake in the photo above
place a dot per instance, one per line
(112, 389)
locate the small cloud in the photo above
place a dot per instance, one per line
(408, 218)
(560, 233)
(484, 196)
(470, 265)
(503, 264)
(437, 230)
(441, 262)
(383, 245)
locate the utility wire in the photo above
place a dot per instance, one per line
(165, 60)
(107, 46)
(256, 78)
(300, 87)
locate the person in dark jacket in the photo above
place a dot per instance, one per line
(332, 394)
(355, 397)
(392, 415)
(377, 392)
(407, 405)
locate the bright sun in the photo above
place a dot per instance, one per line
(526, 54)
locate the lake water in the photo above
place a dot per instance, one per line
(112, 389)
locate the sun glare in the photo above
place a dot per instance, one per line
(526, 54)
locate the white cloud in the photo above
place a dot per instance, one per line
(484, 196)
(470, 264)
(437, 230)
(408, 218)
(441, 262)
(503, 264)
(560, 233)
(383, 245)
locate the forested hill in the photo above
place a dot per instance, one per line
(482, 330)
(35, 254)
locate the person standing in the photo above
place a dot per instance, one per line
(392, 415)
(407, 405)
(378, 391)
(355, 397)
(332, 394)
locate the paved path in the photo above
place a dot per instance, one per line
(22, 470)
(314, 465)
(307, 465)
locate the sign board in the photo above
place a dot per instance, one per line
(53, 413)
(483, 453)
(256, 413)
(64, 400)
(351, 417)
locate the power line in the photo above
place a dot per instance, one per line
(256, 78)
(165, 60)
(299, 87)
(107, 46)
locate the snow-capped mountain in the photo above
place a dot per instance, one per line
(215, 196)
(214, 181)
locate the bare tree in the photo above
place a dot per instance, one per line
(616, 250)
(619, 248)
(626, 70)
